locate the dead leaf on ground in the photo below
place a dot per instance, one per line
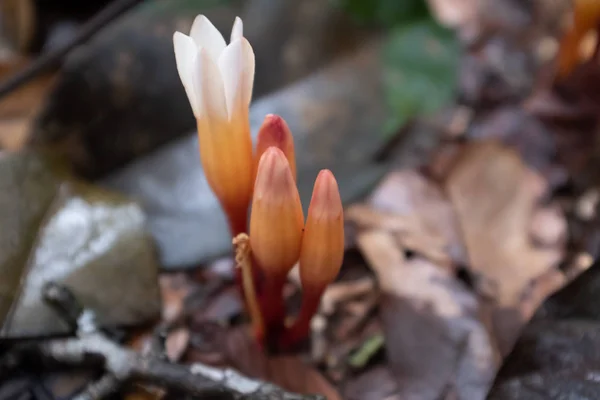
(496, 197)
(435, 337)
(174, 289)
(416, 210)
(375, 384)
(454, 13)
(18, 110)
(240, 351)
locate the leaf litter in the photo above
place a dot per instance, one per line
(447, 259)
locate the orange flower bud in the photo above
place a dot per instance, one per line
(322, 252)
(277, 219)
(275, 132)
(323, 242)
(586, 17)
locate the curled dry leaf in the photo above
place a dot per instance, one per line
(495, 196)
(342, 291)
(416, 210)
(435, 338)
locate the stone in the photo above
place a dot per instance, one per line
(119, 96)
(91, 240)
(558, 354)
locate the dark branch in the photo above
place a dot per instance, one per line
(122, 365)
(50, 60)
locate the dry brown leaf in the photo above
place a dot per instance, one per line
(375, 384)
(240, 351)
(141, 393)
(495, 196)
(435, 338)
(549, 227)
(415, 208)
(174, 289)
(454, 13)
(339, 292)
(18, 109)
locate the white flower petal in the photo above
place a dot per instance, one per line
(237, 69)
(238, 30)
(207, 36)
(185, 54)
(208, 86)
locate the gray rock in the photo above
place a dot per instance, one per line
(92, 240)
(119, 96)
(558, 354)
(336, 117)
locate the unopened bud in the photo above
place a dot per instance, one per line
(586, 17)
(277, 219)
(275, 132)
(323, 242)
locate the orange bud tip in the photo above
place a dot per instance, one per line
(322, 250)
(573, 49)
(277, 219)
(275, 132)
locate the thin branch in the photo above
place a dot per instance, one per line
(50, 60)
(121, 365)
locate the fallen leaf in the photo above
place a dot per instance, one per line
(174, 289)
(435, 337)
(240, 351)
(19, 108)
(375, 384)
(454, 13)
(409, 204)
(496, 196)
(224, 305)
(549, 227)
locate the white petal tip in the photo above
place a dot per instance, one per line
(238, 29)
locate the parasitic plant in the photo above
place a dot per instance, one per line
(586, 19)
(218, 79)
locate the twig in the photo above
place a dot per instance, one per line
(100, 389)
(243, 260)
(50, 59)
(122, 365)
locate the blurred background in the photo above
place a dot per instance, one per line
(468, 169)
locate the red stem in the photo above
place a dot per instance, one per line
(300, 329)
(273, 306)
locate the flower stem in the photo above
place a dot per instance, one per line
(244, 263)
(300, 329)
(273, 305)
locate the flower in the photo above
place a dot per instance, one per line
(321, 254)
(277, 218)
(218, 80)
(586, 16)
(323, 242)
(274, 131)
(276, 225)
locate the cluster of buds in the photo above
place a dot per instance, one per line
(218, 80)
(585, 22)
